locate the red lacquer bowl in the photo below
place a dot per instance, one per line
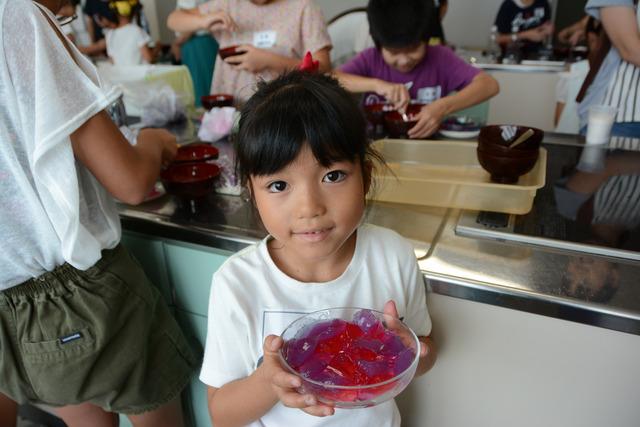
(190, 180)
(229, 51)
(396, 126)
(216, 100)
(196, 152)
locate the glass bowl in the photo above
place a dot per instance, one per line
(377, 364)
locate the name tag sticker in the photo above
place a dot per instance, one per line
(427, 95)
(264, 39)
(69, 338)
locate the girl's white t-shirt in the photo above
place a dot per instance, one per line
(124, 44)
(53, 209)
(251, 298)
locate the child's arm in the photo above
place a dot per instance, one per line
(192, 20)
(126, 171)
(395, 93)
(255, 60)
(481, 88)
(240, 402)
(147, 54)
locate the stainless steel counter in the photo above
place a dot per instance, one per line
(531, 279)
(517, 277)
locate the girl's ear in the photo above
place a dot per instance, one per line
(367, 172)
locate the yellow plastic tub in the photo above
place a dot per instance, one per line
(447, 174)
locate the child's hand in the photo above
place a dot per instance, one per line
(395, 93)
(163, 137)
(218, 21)
(253, 59)
(284, 384)
(427, 359)
(429, 119)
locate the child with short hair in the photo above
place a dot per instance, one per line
(403, 66)
(303, 152)
(127, 43)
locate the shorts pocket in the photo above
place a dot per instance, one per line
(58, 369)
(67, 346)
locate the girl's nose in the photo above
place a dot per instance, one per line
(309, 204)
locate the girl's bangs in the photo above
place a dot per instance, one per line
(294, 118)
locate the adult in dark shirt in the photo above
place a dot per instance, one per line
(527, 22)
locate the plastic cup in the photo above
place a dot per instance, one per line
(591, 159)
(600, 122)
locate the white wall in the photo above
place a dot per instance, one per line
(466, 24)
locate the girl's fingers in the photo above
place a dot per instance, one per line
(390, 308)
(284, 379)
(319, 410)
(292, 399)
(423, 349)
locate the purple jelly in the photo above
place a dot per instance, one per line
(359, 352)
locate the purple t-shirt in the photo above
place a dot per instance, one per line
(439, 73)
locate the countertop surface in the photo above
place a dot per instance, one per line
(527, 278)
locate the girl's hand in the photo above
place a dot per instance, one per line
(429, 119)
(218, 21)
(390, 309)
(395, 93)
(284, 383)
(253, 59)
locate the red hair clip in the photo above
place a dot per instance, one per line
(308, 64)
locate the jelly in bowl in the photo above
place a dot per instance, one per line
(350, 357)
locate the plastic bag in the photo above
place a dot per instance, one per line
(217, 123)
(162, 105)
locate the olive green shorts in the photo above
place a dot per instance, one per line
(103, 336)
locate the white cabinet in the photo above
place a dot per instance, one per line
(502, 368)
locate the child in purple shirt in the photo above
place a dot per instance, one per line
(403, 67)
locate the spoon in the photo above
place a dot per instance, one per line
(405, 117)
(528, 134)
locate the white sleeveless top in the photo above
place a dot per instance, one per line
(53, 209)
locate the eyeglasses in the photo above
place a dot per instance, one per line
(64, 20)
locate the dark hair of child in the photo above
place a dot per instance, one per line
(399, 23)
(301, 109)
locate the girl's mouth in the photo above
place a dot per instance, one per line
(313, 235)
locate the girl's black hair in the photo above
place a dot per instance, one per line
(400, 23)
(295, 110)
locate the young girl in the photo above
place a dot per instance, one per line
(303, 153)
(81, 328)
(273, 36)
(127, 43)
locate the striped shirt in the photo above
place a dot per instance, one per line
(617, 202)
(625, 143)
(617, 83)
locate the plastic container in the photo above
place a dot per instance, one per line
(448, 174)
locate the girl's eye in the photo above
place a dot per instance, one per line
(334, 176)
(277, 186)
